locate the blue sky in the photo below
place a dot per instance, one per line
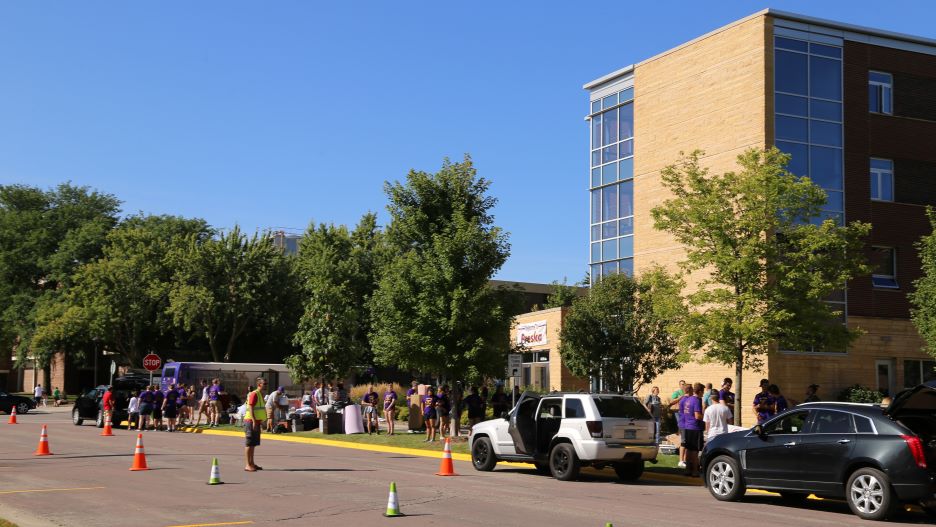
(275, 114)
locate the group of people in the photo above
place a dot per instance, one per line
(157, 409)
(40, 396)
(703, 412)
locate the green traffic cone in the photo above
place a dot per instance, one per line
(393, 505)
(215, 478)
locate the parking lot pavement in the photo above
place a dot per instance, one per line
(87, 481)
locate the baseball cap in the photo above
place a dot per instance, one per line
(280, 389)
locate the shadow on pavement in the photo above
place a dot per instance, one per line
(318, 470)
(830, 506)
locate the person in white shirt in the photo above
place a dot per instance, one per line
(717, 417)
(133, 412)
(271, 409)
(37, 394)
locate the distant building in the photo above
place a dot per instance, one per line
(289, 243)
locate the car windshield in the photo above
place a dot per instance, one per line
(610, 406)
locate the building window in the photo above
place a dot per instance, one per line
(882, 179)
(884, 260)
(880, 92)
(918, 371)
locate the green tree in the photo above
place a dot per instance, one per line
(339, 274)
(923, 297)
(122, 298)
(434, 311)
(765, 266)
(229, 285)
(619, 332)
(45, 235)
(562, 296)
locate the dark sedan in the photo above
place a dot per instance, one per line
(22, 404)
(88, 404)
(875, 458)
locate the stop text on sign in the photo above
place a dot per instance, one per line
(152, 362)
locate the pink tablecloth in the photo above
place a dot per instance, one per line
(353, 423)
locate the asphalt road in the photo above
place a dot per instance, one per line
(87, 482)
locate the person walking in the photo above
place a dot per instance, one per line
(37, 394)
(655, 406)
(429, 415)
(133, 411)
(253, 422)
(475, 406)
(389, 409)
(690, 407)
(716, 417)
(170, 407)
(56, 397)
(107, 404)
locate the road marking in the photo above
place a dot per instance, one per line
(213, 524)
(48, 490)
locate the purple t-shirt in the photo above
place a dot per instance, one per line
(688, 406)
(146, 397)
(726, 395)
(213, 391)
(429, 401)
(371, 398)
(158, 397)
(411, 391)
(389, 399)
(767, 399)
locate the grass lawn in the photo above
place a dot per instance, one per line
(4, 523)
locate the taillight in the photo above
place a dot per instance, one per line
(594, 428)
(916, 448)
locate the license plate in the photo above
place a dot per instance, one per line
(630, 434)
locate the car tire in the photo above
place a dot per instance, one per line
(482, 455)
(99, 420)
(869, 494)
(563, 463)
(76, 417)
(724, 479)
(629, 471)
(22, 408)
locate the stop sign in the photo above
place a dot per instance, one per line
(152, 362)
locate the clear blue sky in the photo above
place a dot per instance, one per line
(274, 114)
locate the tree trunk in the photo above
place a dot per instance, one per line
(213, 344)
(739, 370)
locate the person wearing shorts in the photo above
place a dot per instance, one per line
(443, 409)
(158, 398)
(690, 407)
(429, 415)
(253, 423)
(214, 401)
(369, 406)
(203, 408)
(146, 408)
(389, 409)
(271, 409)
(170, 407)
(133, 411)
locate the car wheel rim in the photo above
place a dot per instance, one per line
(481, 454)
(867, 493)
(561, 462)
(22, 408)
(721, 478)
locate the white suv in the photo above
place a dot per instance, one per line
(560, 432)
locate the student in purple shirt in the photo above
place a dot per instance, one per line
(726, 395)
(429, 415)
(780, 403)
(690, 407)
(158, 397)
(763, 403)
(389, 409)
(214, 401)
(146, 408)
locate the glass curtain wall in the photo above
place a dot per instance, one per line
(808, 123)
(612, 185)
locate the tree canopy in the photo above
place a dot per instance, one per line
(767, 263)
(434, 310)
(923, 297)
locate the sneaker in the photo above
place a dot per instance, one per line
(681, 464)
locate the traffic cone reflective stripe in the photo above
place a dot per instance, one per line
(12, 420)
(108, 431)
(215, 478)
(139, 458)
(43, 448)
(393, 505)
(446, 467)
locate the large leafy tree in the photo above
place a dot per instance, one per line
(230, 285)
(923, 297)
(339, 272)
(122, 298)
(562, 296)
(45, 235)
(434, 311)
(619, 332)
(766, 263)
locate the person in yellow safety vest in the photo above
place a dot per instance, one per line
(253, 422)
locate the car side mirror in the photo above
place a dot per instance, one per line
(759, 430)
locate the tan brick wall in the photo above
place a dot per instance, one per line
(560, 378)
(708, 95)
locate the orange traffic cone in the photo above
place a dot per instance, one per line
(43, 448)
(12, 420)
(446, 467)
(139, 458)
(108, 430)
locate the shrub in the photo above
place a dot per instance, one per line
(860, 394)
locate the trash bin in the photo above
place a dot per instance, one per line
(333, 423)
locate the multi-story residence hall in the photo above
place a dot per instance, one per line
(856, 108)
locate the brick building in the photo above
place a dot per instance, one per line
(856, 108)
(542, 366)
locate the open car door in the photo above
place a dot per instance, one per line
(522, 427)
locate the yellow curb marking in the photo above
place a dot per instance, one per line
(48, 490)
(213, 524)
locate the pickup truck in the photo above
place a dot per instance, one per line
(561, 432)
